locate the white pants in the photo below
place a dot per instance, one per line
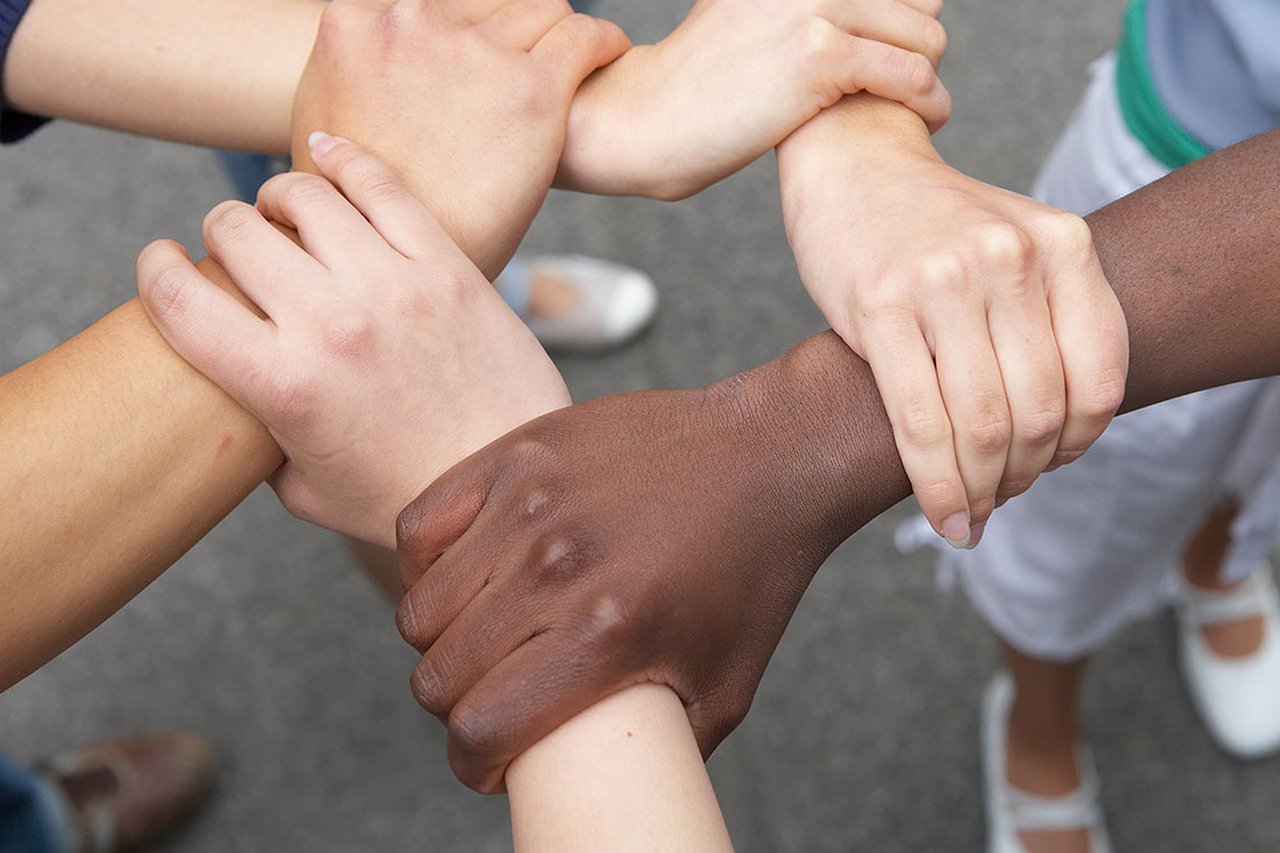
(1090, 547)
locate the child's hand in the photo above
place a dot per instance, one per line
(381, 355)
(734, 79)
(466, 99)
(996, 342)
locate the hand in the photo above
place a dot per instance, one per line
(381, 355)
(661, 536)
(466, 99)
(996, 342)
(735, 78)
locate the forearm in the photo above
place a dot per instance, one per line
(625, 774)
(220, 74)
(1193, 261)
(118, 456)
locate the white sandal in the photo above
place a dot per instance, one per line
(1237, 697)
(1010, 810)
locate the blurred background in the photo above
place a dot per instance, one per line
(864, 733)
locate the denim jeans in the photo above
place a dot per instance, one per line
(30, 819)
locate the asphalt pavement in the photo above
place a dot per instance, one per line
(864, 732)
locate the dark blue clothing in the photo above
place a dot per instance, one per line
(13, 125)
(29, 820)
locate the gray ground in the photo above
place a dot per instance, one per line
(863, 735)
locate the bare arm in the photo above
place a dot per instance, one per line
(209, 72)
(699, 517)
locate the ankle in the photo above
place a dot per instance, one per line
(1040, 753)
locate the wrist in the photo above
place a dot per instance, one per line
(851, 145)
(609, 149)
(813, 426)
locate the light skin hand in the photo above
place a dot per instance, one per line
(734, 79)
(996, 342)
(469, 101)
(378, 290)
(666, 536)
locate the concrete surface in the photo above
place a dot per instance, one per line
(864, 732)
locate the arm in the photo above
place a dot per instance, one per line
(734, 79)
(118, 456)
(219, 73)
(986, 319)
(126, 425)
(385, 295)
(677, 530)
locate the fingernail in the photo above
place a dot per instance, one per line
(321, 143)
(975, 535)
(955, 529)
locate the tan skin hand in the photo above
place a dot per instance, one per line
(469, 101)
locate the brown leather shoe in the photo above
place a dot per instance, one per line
(127, 792)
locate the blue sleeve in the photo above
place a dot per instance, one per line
(13, 125)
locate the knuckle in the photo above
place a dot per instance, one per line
(980, 508)
(559, 557)
(473, 740)
(294, 403)
(428, 688)
(919, 74)
(227, 222)
(411, 622)
(1005, 246)
(934, 39)
(1070, 231)
(1011, 488)
(1066, 457)
(346, 334)
(924, 428)
(1103, 397)
(820, 41)
(607, 623)
(941, 271)
(940, 492)
(295, 190)
(532, 452)
(1042, 424)
(169, 292)
(990, 431)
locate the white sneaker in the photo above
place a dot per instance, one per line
(613, 302)
(1237, 697)
(1010, 810)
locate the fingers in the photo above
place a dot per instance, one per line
(331, 230)
(544, 683)
(907, 378)
(523, 23)
(438, 517)
(474, 642)
(974, 396)
(1092, 337)
(894, 74)
(216, 334)
(893, 23)
(381, 197)
(441, 592)
(263, 263)
(578, 45)
(1022, 332)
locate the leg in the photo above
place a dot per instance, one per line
(1202, 566)
(1041, 741)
